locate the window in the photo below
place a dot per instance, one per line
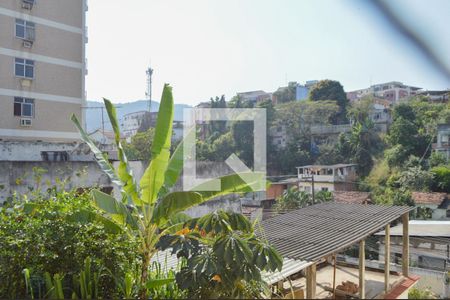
(25, 30)
(24, 68)
(324, 189)
(23, 107)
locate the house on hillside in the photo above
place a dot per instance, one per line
(339, 177)
(439, 96)
(381, 117)
(436, 205)
(132, 122)
(443, 140)
(393, 92)
(429, 243)
(255, 96)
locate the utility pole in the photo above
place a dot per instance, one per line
(312, 187)
(102, 108)
(148, 93)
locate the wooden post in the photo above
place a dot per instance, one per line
(405, 254)
(387, 254)
(311, 282)
(334, 276)
(362, 267)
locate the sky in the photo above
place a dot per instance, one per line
(207, 48)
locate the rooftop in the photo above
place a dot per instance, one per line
(351, 197)
(320, 230)
(327, 166)
(428, 198)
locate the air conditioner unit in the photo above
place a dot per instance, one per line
(27, 44)
(25, 82)
(25, 122)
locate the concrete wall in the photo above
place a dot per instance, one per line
(31, 151)
(20, 176)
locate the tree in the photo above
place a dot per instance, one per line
(361, 145)
(292, 198)
(149, 210)
(359, 111)
(416, 179)
(139, 148)
(224, 258)
(286, 94)
(437, 159)
(441, 182)
(242, 132)
(331, 90)
(218, 126)
(223, 147)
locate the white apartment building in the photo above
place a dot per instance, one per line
(42, 69)
(339, 177)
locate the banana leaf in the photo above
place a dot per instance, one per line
(101, 159)
(154, 175)
(115, 209)
(174, 203)
(124, 171)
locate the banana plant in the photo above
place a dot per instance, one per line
(149, 209)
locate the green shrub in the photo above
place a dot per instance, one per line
(441, 182)
(416, 293)
(42, 240)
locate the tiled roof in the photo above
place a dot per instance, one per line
(351, 197)
(428, 198)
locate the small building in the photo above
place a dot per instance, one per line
(339, 177)
(437, 96)
(443, 140)
(392, 91)
(302, 90)
(279, 136)
(436, 205)
(429, 242)
(132, 122)
(104, 139)
(381, 117)
(255, 96)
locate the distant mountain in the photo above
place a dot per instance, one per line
(94, 115)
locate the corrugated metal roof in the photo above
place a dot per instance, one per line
(166, 259)
(320, 230)
(290, 267)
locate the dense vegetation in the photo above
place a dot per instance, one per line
(57, 244)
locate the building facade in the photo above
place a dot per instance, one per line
(43, 68)
(254, 96)
(392, 91)
(302, 90)
(339, 177)
(443, 140)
